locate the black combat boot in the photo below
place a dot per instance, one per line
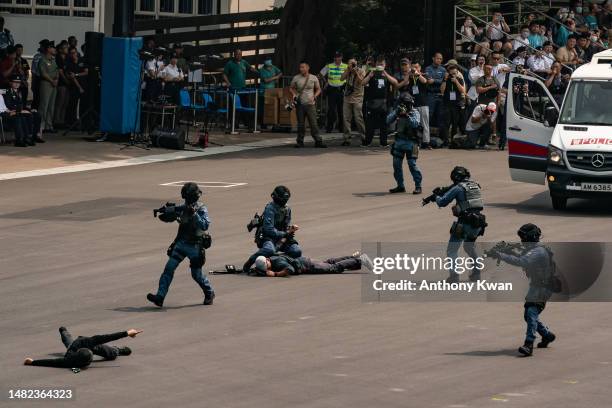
(417, 190)
(397, 189)
(547, 340)
(526, 349)
(157, 300)
(319, 144)
(124, 351)
(208, 298)
(453, 278)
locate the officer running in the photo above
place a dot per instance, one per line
(191, 242)
(407, 143)
(335, 91)
(470, 222)
(536, 261)
(276, 233)
(283, 265)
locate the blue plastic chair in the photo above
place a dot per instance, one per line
(239, 107)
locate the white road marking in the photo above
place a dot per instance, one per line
(397, 389)
(157, 158)
(306, 317)
(513, 394)
(339, 375)
(205, 184)
(340, 357)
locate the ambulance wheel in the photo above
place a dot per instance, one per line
(558, 202)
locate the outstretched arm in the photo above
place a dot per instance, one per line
(48, 362)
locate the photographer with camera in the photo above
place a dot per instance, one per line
(353, 101)
(191, 242)
(305, 89)
(275, 233)
(407, 144)
(378, 82)
(480, 125)
(453, 91)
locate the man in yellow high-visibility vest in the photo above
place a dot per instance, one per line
(334, 90)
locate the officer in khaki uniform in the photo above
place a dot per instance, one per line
(49, 76)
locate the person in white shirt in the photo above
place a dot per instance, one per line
(475, 73)
(523, 40)
(520, 60)
(469, 32)
(480, 124)
(539, 63)
(152, 81)
(173, 77)
(500, 70)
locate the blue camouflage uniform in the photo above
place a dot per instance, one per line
(188, 245)
(276, 220)
(407, 144)
(461, 231)
(537, 263)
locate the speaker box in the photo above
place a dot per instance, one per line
(168, 138)
(93, 48)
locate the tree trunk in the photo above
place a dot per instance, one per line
(301, 35)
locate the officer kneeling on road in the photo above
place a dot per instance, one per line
(537, 262)
(407, 143)
(191, 242)
(282, 265)
(275, 232)
(470, 222)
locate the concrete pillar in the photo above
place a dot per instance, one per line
(104, 16)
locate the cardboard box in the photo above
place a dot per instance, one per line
(286, 118)
(271, 110)
(275, 93)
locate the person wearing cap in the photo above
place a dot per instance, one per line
(480, 125)
(49, 79)
(25, 124)
(353, 101)
(334, 90)
(42, 49)
(282, 265)
(269, 75)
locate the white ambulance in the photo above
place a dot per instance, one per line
(570, 150)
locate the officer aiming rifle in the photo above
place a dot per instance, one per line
(504, 247)
(191, 242)
(540, 268)
(437, 192)
(470, 223)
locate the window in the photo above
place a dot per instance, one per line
(147, 5)
(185, 6)
(530, 99)
(43, 2)
(62, 3)
(587, 103)
(23, 2)
(205, 7)
(81, 3)
(166, 6)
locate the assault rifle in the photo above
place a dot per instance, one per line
(504, 247)
(437, 192)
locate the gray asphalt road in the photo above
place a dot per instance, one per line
(82, 250)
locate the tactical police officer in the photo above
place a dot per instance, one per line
(191, 242)
(537, 262)
(276, 233)
(407, 143)
(470, 222)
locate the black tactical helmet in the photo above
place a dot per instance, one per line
(530, 233)
(407, 99)
(281, 195)
(459, 174)
(191, 192)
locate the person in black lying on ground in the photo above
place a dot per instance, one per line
(81, 350)
(283, 265)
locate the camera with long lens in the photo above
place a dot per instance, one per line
(403, 110)
(291, 103)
